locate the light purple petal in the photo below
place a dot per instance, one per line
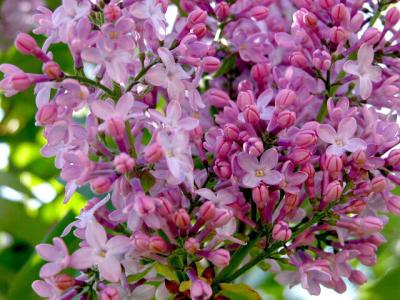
(83, 258)
(355, 144)
(269, 159)
(157, 76)
(335, 150)
(50, 269)
(250, 180)
(110, 268)
(118, 245)
(326, 133)
(102, 109)
(365, 86)
(42, 288)
(174, 112)
(247, 162)
(95, 235)
(206, 194)
(272, 177)
(347, 128)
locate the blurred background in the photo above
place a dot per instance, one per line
(31, 209)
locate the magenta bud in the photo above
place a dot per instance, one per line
(281, 231)
(207, 211)
(153, 153)
(223, 148)
(124, 163)
(310, 19)
(285, 119)
(211, 64)
(191, 245)
(244, 99)
(254, 146)
(258, 12)
(333, 191)
(200, 30)
(305, 138)
(393, 204)
(326, 4)
(181, 219)
(285, 98)
(378, 184)
(222, 217)
(26, 44)
(52, 70)
(298, 59)
(164, 207)
(222, 168)
(231, 131)
(371, 36)
(219, 257)
(112, 12)
(21, 81)
(141, 242)
(145, 205)
(393, 159)
(109, 293)
(222, 10)
(370, 224)
(157, 244)
(333, 163)
(217, 97)
(260, 195)
(200, 290)
(64, 281)
(358, 277)
(101, 185)
(300, 156)
(392, 17)
(309, 169)
(340, 13)
(322, 60)
(115, 127)
(259, 72)
(47, 114)
(360, 157)
(251, 114)
(338, 35)
(245, 85)
(197, 16)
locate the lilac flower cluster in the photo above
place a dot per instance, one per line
(243, 133)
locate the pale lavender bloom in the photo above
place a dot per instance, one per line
(119, 35)
(364, 70)
(56, 255)
(341, 140)
(221, 198)
(151, 11)
(100, 252)
(292, 180)
(169, 75)
(263, 101)
(47, 289)
(260, 171)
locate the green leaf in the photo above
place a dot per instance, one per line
(239, 292)
(166, 272)
(147, 180)
(228, 65)
(21, 286)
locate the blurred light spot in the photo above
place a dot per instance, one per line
(172, 13)
(13, 125)
(44, 192)
(33, 204)
(11, 194)
(5, 240)
(1, 114)
(4, 155)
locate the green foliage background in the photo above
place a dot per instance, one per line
(26, 219)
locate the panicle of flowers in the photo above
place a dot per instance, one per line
(234, 128)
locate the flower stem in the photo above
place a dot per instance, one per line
(143, 72)
(92, 83)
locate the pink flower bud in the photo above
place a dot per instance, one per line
(371, 36)
(21, 81)
(298, 59)
(222, 148)
(124, 163)
(157, 244)
(222, 168)
(219, 257)
(26, 44)
(281, 231)
(231, 131)
(322, 60)
(358, 277)
(153, 153)
(112, 12)
(378, 184)
(393, 204)
(141, 242)
(309, 169)
(181, 219)
(217, 97)
(245, 85)
(394, 158)
(200, 30)
(164, 207)
(326, 4)
(360, 157)
(109, 293)
(251, 114)
(144, 205)
(211, 64)
(197, 16)
(305, 138)
(333, 163)
(52, 70)
(64, 281)
(338, 35)
(222, 217)
(300, 156)
(259, 72)
(115, 127)
(254, 146)
(101, 185)
(285, 98)
(310, 19)
(258, 12)
(222, 10)
(340, 13)
(333, 191)
(245, 99)
(47, 114)
(207, 211)
(285, 119)
(260, 195)
(370, 224)
(192, 245)
(200, 290)
(392, 17)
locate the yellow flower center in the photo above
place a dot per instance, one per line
(339, 142)
(260, 173)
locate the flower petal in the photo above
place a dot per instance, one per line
(269, 159)
(326, 133)
(347, 128)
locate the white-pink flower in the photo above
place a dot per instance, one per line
(364, 70)
(260, 171)
(56, 255)
(341, 140)
(100, 252)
